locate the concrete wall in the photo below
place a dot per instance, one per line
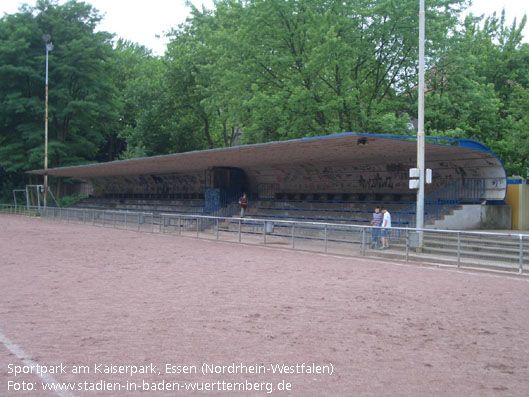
(353, 178)
(476, 217)
(523, 220)
(496, 217)
(152, 184)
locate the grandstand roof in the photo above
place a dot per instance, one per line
(331, 149)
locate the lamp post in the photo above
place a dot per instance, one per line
(420, 132)
(49, 46)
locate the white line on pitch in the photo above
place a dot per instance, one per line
(26, 359)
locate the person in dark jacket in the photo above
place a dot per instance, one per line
(376, 222)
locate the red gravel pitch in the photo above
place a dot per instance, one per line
(83, 295)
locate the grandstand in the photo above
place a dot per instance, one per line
(337, 178)
(166, 206)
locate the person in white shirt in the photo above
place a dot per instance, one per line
(386, 225)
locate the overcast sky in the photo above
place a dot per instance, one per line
(141, 21)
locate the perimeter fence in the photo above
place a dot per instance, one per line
(493, 251)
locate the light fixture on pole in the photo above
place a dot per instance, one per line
(420, 132)
(49, 46)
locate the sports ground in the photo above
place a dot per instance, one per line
(101, 308)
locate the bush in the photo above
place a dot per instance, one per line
(66, 201)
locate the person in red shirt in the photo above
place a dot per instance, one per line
(243, 202)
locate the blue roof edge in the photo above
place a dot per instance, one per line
(466, 143)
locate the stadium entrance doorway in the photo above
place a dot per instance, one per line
(232, 181)
(225, 186)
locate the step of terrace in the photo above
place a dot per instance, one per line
(442, 259)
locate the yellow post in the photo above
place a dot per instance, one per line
(513, 200)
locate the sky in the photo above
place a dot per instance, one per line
(134, 21)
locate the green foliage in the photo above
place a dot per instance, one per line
(479, 90)
(67, 201)
(82, 110)
(254, 71)
(283, 69)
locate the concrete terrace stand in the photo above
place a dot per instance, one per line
(313, 178)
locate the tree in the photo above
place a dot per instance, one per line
(82, 110)
(138, 79)
(478, 89)
(282, 69)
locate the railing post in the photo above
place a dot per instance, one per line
(363, 246)
(458, 249)
(326, 238)
(407, 243)
(198, 219)
(264, 232)
(217, 228)
(139, 219)
(293, 234)
(180, 225)
(239, 230)
(521, 254)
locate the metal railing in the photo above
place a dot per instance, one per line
(492, 251)
(443, 200)
(20, 209)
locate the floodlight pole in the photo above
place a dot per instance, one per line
(49, 46)
(420, 133)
